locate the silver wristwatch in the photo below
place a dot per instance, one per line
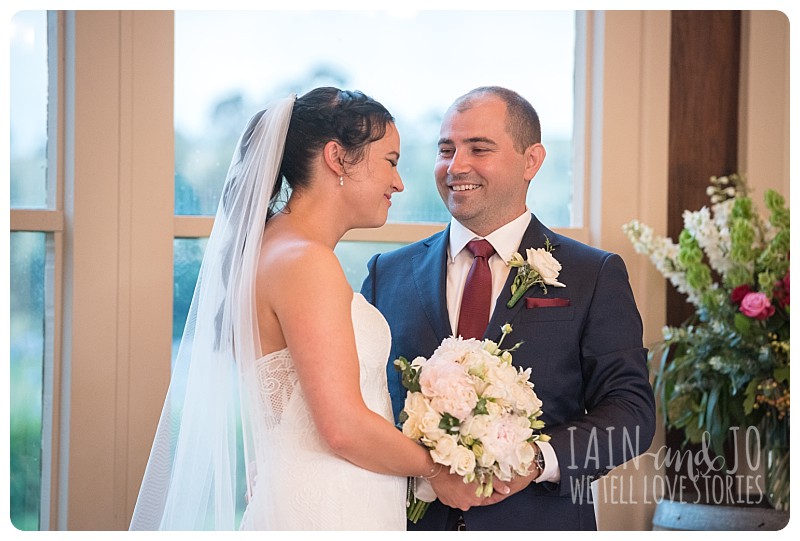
(539, 459)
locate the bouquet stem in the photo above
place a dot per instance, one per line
(416, 509)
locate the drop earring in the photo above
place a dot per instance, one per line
(341, 180)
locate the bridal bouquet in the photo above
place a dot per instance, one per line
(475, 411)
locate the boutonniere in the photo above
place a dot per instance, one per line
(540, 268)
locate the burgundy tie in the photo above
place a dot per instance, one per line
(477, 299)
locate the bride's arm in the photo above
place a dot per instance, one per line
(310, 296)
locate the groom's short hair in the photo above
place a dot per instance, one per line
(522, 121)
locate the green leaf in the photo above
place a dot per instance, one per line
(750, 397)
(781, 374)
(743, 324)
(448, 423)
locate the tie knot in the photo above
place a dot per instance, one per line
(481, 248)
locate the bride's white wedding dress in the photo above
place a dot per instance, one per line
(301, 484)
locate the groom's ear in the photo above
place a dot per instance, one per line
(534, 157)
(333, 154)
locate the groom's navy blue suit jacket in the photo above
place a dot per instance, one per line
(587, 364)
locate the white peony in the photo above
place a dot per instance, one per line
(449, 388)
(503, 440)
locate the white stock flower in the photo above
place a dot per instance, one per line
(546, 265)
(525, 399)
(502, 378)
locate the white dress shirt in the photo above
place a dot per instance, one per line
(505, 241)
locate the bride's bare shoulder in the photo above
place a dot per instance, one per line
(288, 258)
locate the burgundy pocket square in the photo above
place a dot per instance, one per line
(538, 302)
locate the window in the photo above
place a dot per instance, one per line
(31, 269)
(260, 56)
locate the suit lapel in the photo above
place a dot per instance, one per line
(430, 277)
(534, 237)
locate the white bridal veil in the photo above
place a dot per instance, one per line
(190, 479)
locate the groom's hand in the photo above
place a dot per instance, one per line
(511, 487)
(453, 492)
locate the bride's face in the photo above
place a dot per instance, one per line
(374, 180)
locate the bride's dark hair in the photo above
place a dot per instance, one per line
(324, 114)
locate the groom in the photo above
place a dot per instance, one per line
(583, 342)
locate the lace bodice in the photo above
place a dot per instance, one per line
(277, 377)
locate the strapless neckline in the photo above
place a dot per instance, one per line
(285, 349)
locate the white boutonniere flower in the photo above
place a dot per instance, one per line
(539, 268)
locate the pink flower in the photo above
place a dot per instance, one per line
(757, 306)
(449, 388)
(739, 292)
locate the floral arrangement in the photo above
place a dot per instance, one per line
(475, 411)
(730, 360)
(540, 267)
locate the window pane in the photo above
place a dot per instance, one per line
(189, 255)
(28, 88)
(354, 257)
(416, 63)
(187, 259)
(27, 251)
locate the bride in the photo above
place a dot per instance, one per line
(278, 350)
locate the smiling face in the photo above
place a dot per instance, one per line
(482, 179)
(374, 179)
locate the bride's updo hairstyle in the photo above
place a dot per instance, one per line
(351, 118)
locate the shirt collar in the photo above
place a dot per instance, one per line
(505, 240)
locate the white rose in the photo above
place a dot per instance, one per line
(546, 265)
(429, 425)
(475, 427)
(444, 450)
(416, 406)
(463, 461)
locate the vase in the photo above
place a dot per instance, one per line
(776, 463)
